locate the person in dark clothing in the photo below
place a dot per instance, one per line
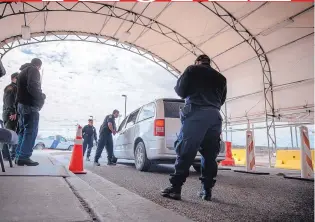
(9, 114)
(106, 139)
(204, 90)
(30, 100)
(88, 134)
(2, 69)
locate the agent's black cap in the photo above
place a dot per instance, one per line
(203, 59)
(115, 111)
(14, 75)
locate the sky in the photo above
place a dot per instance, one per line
(82, 79)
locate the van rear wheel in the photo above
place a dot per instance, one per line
(141, 161)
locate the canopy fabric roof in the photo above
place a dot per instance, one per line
(265, 49)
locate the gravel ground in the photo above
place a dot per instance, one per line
(236, 197)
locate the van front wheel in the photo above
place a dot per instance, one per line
(141, 161)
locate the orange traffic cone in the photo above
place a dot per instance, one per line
(76, 162)
(229, 161)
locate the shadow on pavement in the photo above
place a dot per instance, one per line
(158, 168)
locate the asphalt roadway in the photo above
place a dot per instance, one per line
(236, 197)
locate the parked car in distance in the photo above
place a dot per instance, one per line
(147, 135)
(53, 142)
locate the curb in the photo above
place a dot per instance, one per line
(133, 206)
(98, 206)
(110, 202)
(102, 208)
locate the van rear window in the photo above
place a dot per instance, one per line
(171, 109)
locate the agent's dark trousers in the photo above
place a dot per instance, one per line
(200, 131)
(105, 140)
(88, 142)
(28, 129)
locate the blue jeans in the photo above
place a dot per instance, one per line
(200, 131)
(28, 129)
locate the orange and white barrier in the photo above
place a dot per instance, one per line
(306, 156)
(250, 156)
(250, 151)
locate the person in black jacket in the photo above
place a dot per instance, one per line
(107, 129)
(9, 114)
(204, 91)
(30, 100)
(88, 134)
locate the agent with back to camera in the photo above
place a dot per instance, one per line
(107, 129)
(204, 90)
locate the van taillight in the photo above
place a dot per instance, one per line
(159, 127)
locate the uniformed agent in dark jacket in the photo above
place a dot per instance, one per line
(106, 139)
(9, 114)
(204, 91)
(30, 100)
(88, 134)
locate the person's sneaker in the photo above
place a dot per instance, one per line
(27, 162)
(88, 159)
(97, 164)
(205, 194)
(172, 192)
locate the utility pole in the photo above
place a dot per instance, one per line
(125, 104)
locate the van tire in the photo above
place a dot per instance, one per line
(141, 160)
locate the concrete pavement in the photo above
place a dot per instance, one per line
(49, 193)
(39, 194)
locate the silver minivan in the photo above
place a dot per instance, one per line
(147, 135)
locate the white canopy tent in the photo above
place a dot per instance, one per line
(265, 49)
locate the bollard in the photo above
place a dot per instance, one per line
(250, 152)
(250, 156)
(306, 156)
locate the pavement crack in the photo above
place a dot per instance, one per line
(84, 204)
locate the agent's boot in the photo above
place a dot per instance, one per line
(96, 163)
(172, 192)
(205, 194)
(87, 158)
(27, 162)
(206, 190)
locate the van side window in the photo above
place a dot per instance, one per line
(122, 124)
(132, 119)
(147, 112)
